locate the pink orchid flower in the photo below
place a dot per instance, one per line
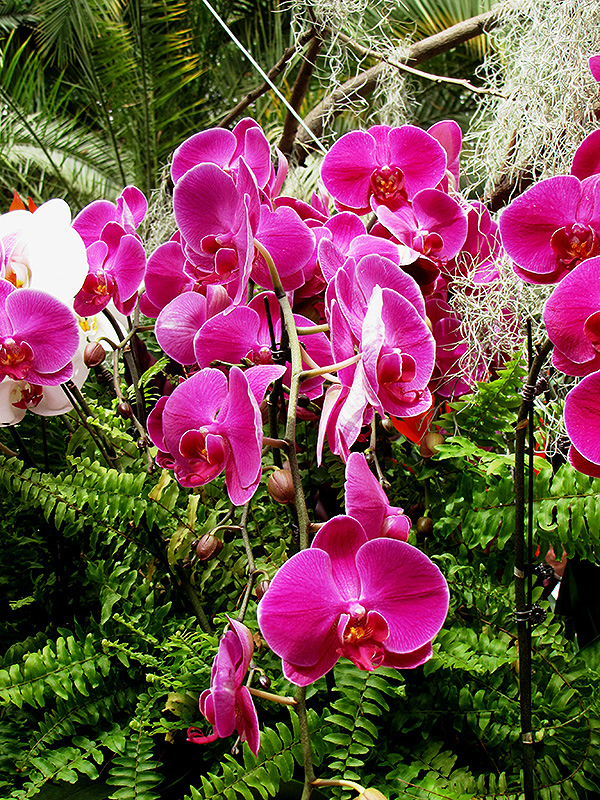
(377, 602)
(115, 254)
(384, 165)
(582, 421)
(225, 149)
(228, 705)
(367, 503)
(208, 425)
(553, 227)
(434, 225)
(39, 336)
(572, 319)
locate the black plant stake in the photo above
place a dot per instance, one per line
(525, 612)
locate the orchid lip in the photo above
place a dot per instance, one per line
(574, 243)
(387, 183)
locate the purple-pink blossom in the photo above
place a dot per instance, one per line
(582, 421)
(228, 705)
(377, 602)
(208, 425)
(383, 165)
(572, 319)
(39, 336)
(367, 502)
(553, 227)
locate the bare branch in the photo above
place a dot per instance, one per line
(364, 84)
(264, 87)
(290, 126)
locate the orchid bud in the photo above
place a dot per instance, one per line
(125, 410)
(281, 486)
(424, 526)
(429, 444)
(208, 547)
(93, 354)
(264, 682)
(261, 588)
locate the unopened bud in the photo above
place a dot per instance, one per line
(208, 547)
(93, 354)
(281, 486)
(125, 410)
(429, 444)
(261, 588)
(264, 682)
(424, 526)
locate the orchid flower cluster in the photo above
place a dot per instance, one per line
(339, 308)
(552, 234)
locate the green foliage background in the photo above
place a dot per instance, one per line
(104, 657)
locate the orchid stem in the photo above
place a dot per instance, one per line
(309, 773)
(314, 373)
(296, 358)
(313, 329)
(274, 698)
(372, 455)
(339, 782)
(278, 444)
(7, 451)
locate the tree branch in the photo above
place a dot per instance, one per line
(264, 87)
(364, 84)
(290, 126)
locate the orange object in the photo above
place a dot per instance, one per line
(17, 204)
(414, 428)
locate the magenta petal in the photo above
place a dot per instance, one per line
(581, 464)
(177, 325)
(165, 277)
(347, 169)
(528, 223)
(420, 156)
(135, 206)
(260, 377)
(575, 298)
(215, 145)
(48, 327)
(229, 336)
(246, 720)
(439, 213)
(223, 689)
(449, 135)
(91, 220)
(586, 160)
(246, 644)
(377, 270)
(290, 243)
(406, 588)
(341, 538)
(301, 608)
(408, 660)
(303, 675)
(127, 262)
(194, 403)
(582, 418)
(205, 203)
(241, 420)
(365, 499)
(594, 65)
